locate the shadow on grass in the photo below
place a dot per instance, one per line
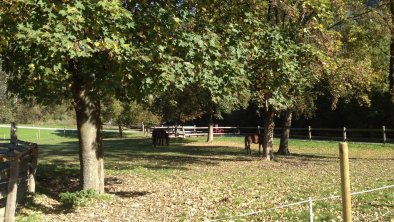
(58, 168)
(130, 194)
(56, 178)
(309, 157)
(178, 153)
(51, 180)
(74, 134)
(109, 181)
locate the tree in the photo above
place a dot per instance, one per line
(295, 56)
(7, 105)
(76, 52)
(207, 57)
(127, 114)
(357, 67)
(85, 51)
(113, 110)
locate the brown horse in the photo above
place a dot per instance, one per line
(254, 138)
(159, 136)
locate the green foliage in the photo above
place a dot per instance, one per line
(135, 114)
(280, 68)
(78, 199)
(34, 217)
(130, 55)
(295, 55)
(127, 113)
(58, 43)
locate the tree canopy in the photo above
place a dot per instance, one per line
(190, 57)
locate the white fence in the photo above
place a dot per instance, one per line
(310, 202)
(382, 135)
(338, 134)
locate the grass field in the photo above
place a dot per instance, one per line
(194, 181)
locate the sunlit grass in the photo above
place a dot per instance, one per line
(202, 180)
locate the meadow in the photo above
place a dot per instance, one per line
(191, 180)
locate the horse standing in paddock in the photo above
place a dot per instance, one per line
(254, 138)
(159, 136)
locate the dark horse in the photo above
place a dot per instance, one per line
(254, 138)
(159, 136)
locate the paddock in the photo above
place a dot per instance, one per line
(191, 180)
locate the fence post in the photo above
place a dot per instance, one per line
(183, 131)
(176, 131)
(9, 215)
(195, 129)
(64, 131)
(345, 182)
(384, 134)
(238, 130)
(310, 210)
(13, 138)
(344, 134)
(258, 129)
(143, 128)
(309, 133)
(33, 169)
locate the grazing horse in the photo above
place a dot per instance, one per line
(159, 136)
(254, 138)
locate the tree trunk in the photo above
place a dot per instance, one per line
(268, 134)
(284, 139)
(91, 153)
(120, 127)
(210, 130)
(90, 144)
(391, 69)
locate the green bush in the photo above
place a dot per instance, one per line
(76, 199)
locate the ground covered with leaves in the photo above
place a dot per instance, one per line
(194, 181)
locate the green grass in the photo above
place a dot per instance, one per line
(191, 180)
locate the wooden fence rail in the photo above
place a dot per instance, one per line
(383, 135)
(18, 165)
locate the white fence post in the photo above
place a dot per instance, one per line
(310, 210)
(384, 134)
(176, 131)
(344, 134)
(309, 132)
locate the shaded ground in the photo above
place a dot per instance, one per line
(190, 181)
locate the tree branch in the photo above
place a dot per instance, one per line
(354, 16)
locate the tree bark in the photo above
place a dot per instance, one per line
(284, 139)
(268, 134)
(90, 144)
(91, 153)
(210, 130)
